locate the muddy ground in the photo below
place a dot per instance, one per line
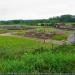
(39, 35)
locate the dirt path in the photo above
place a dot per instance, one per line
(6, 34)
(48, 41)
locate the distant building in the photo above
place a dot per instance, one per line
(63, 26)
(60, 25)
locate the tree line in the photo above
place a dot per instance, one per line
(50, 21)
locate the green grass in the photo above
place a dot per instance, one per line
(13, 47)
(27, 42)
(44, 62)
(31, 55)
(3, 31)
(46, 29)
(60, 37)
(69, 24)
(26, 55)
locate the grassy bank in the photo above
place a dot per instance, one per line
(26, 55)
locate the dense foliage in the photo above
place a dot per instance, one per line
(50, 21)
(22, 56)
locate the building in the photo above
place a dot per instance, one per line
(60, 25)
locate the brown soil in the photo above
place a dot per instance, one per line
(39, 35)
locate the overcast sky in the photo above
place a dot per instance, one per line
(35, 9)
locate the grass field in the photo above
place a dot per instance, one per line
(70, 24)
(26, 55)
